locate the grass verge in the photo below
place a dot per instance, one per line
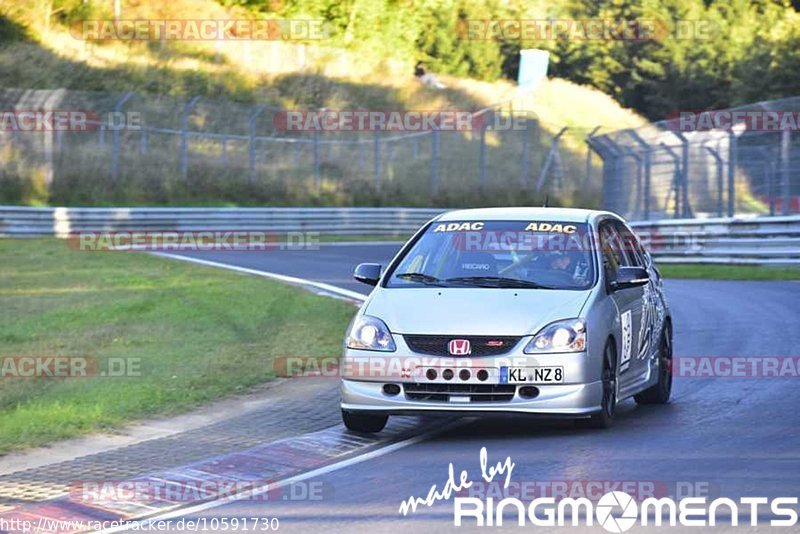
(729, 272)
(199, 334)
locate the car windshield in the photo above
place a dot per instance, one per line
(499, 254)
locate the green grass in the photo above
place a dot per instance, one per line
(729, 272)
(200, 333)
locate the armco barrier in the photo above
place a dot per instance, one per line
(23, 221)
(759, 241)
(756, 240)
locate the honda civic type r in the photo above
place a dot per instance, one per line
(542, 311)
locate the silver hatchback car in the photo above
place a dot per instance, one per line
(543, 311)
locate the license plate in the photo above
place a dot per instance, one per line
(531, 375)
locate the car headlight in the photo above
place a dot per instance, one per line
(370, 333)
(561, 336)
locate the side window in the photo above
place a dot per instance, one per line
(613, 255)
(631, 246)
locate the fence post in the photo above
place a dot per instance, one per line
(252, 141)
(361, 156)
(786, 145)
(523, 162)
(315, 158)
(676, 180)
(549, 160)
(719, 164)
(482, 155)
(731, 173)
(646, 150)
(609, 152)
(683, 190)
(589, 151)
(769, 171)
(434, 161)
(143, 141)
(224, 150)
(187, 109)
(115, 146)
(639, 196)
(47, 140)
(377, 158)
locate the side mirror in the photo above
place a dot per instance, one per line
(368, 273)
(628, 277)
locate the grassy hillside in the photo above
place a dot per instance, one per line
(37, 51)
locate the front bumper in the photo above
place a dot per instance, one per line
(553, 400)
(579, 394)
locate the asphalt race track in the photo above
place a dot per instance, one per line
(728, 437)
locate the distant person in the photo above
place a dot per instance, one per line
(426, 78)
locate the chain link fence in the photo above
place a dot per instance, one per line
(663, 170)
(144, 149)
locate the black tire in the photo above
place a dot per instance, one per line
(605, 417)
(659, 392)
(363, 422)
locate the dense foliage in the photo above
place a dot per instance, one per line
(735, 51)
(741, 51)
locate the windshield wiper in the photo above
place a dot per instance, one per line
(420, 277)
(497, 281)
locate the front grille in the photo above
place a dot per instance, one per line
(481, 345)
(477, 392)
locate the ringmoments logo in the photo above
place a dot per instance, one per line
(615, 511)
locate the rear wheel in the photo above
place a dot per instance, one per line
(362, 422)
(605, 417)
(659, 392)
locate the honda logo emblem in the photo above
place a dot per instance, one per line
(459, 347)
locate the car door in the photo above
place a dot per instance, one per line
(647, 332)
(654, 304)
(628, 302)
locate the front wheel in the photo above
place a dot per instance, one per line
(361, 422)
(659, 392)
(605, 417)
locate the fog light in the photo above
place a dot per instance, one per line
(391, 389)
(447, 374)
(528, 392)
(464, 374)
(483, 374)
(431, 374)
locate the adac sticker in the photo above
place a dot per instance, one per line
(458, 227)
(551, 227)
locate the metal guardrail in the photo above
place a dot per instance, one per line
(29, 222)
(755, 240)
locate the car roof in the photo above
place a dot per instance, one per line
(574, 215)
